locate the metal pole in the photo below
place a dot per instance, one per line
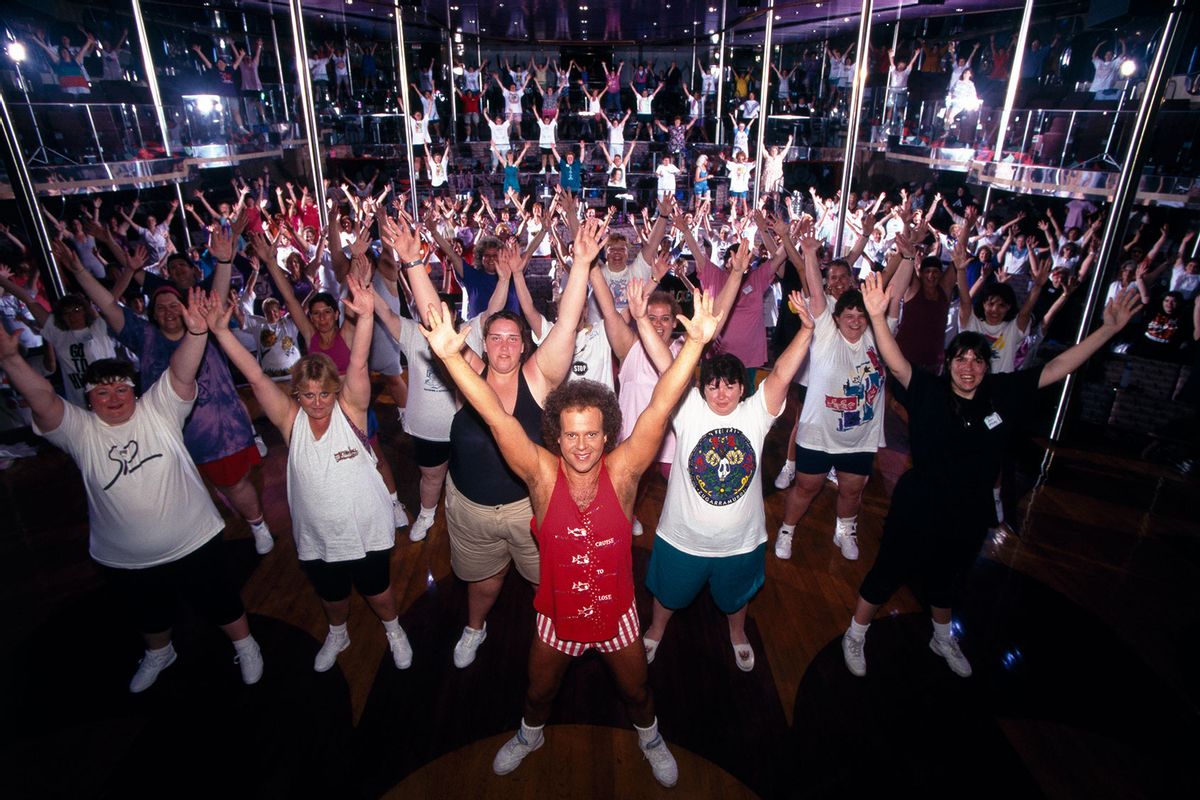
(1062, 159)
(987, 202)
(692, 74)
(1014, 79)
(308, 110)
(762, 102)
(853, 117)
(450, 94)
(402, 94)
(1136, 153)
(287, 111)
(718, 112)
(1025, 136)
(27, 204)
(151, 76)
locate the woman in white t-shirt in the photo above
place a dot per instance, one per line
(438, 165)
(152, 524)
(342, 519)
(713, 525)
(841, 424)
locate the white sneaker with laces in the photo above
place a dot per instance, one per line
(662, 763)
(513, 753)
(783, 545)
(949, 650)
(399, 515)
(401, 650)
(327, 655)
(151, 664)
(251, 664)
(464, 651)
(786, 476)
(852, 652)
(845, 537)
(263, 541)
(420, 527)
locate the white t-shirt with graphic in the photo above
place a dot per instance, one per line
(714, 502)
(75, 350)
(843, 410)
(278, 344)
(431, 403)
(146, 502)
(592, 359)
(1005, 338)
(618, 282)
(499, 133)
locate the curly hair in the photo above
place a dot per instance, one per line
(576, 396)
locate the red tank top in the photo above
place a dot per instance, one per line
(586, 563)
(339, 352)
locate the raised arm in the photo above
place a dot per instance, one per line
(40, 314)
(65, 256)
(407, 251)
(284, 286)
(185, 361)
(46, 405)
(620, 336)
(361, 301)
(877, 300)
(552, 359)
(788, 364)
(1117, 314)
(276, 404)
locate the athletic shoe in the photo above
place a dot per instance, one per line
(662, 763)
(783, 545)
(251, 664)
(327, 655)
(464, 651)
(399, 515)
(263, 541)
(786, 476)
(651, 646)
(149, 667)
(949, 650)
(420, 527)
(401, 649)
(638, 530)
(743, 656)
(513, 753)
(261, 445)
(852, 652)
(847, 542)
(543, 172)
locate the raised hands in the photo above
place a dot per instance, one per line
(1121, 308)
(800, 309)
(361, 299)
(444, 340)
(636, 297)
(875, 297)
(193, 312)
(403, 239)
(220, 242)
(590, 239)
(65, 256)
(703, 325)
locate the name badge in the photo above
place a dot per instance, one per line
(747, 289)
(992, 420)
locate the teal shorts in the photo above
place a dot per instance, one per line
(676, 577)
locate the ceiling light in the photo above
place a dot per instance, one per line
(16, 51)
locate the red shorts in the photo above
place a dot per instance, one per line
(629, 629)
(232, 468)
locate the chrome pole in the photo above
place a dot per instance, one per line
(402, 93)
(27, 204)
(139, 24)
(1014, 80)
(764, 83)
(718, 112)
(287, 111)
(853, 118)
(308, 108)
(1136, 152)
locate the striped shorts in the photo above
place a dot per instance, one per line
(628, 631)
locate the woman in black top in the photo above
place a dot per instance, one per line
(942, 507)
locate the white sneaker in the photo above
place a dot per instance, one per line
(263, 541)
(949, 650)
(149, 667)
(651, 646)
(399, 515)
(464, 653)
(543, 171)
(513, 753)
(783, 545)
(852, 652)
(327, 655)
(832, 476)
(638, 530)
(847, 541)
(251, 664)
(261, 445)
(662, 763)
(786, 476)
(420, 527)
(401, 649)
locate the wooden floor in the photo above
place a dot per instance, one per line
(1082, 630)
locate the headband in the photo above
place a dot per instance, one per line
(87, 387)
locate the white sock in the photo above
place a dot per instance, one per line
(247, 645)
(847, 525)
(261, 521)
(392, 626)
(790, 464)
(857, 631)
(785, 528)
(338, 630)
(942, 630)
(428, 512)
(999, 504)
(530, 734)
(647, 735)
(162, 651)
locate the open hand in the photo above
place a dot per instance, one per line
(443, 339)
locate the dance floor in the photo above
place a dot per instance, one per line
(1081, 628)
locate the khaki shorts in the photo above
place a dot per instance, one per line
(484, 539)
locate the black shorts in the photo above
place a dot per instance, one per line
(332, 580)
(252, 94)
(547, 151)
(429, 453)
(151, 595)
(818, 462)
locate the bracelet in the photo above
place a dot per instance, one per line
(201, 333)
(411, 264)
(225, 262)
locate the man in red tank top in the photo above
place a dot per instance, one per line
(582, 490)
